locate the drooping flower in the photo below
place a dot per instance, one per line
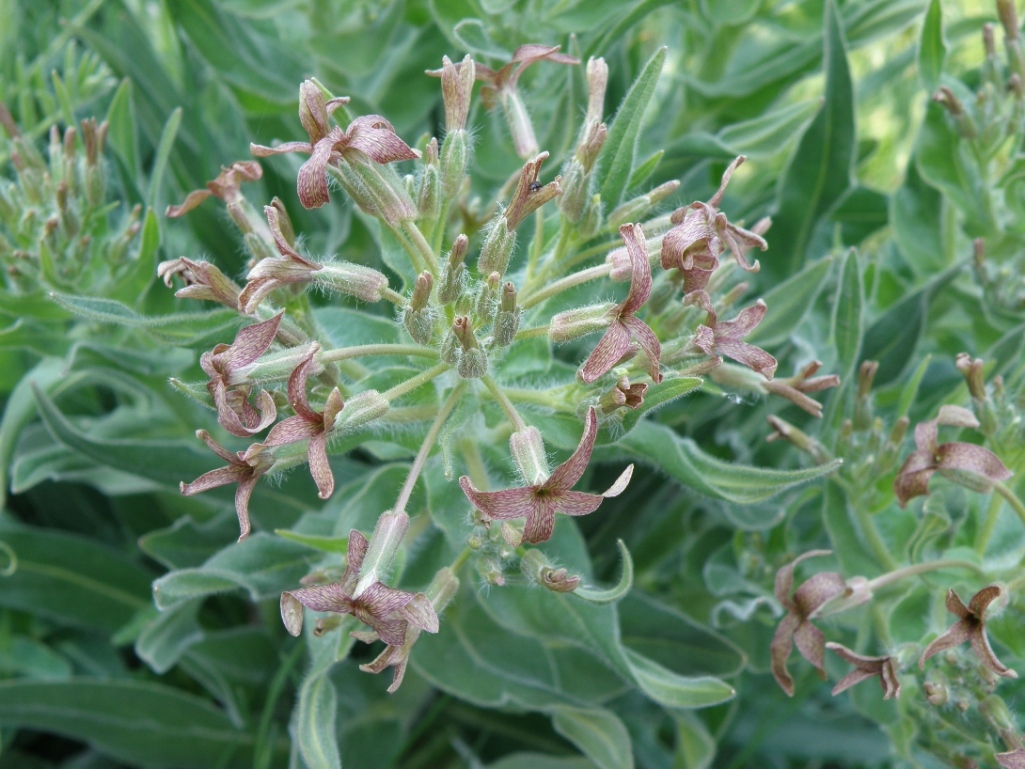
(540, 502)
(725, 338)
(203, 280)
(796, 626)
(227, 186)
(971, 627)
(270, 274)
(966, 464)
(701, 235)
(500, 86)
(625, 327)
(867, 667)
(244, 468)
(388, 611)
(367, 137)
(223, 364)
(307, 424)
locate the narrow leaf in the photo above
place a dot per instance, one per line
(848, 310)
(598, 733)
(932, 47)
(316, 728)
(676, 691)
(167, 137)
(612, 594)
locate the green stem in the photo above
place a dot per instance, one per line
(538, 398)
(410, 249)
(474, 463)
(531, 333)
(564, 284)
(425, 449)
(366, 350)
(875, 540)
(986, 532)
(503, 400)
(1011, 499)
(422, 246)
(393, 296)
(919, 568)
(414, 382)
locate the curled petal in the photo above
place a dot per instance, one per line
(969, 458)
(324, 598)
(640, 278)
(779, 651)
(261, 151)
(955, 636)
(982, 649)
(812, 644)
(648, 342)
(192, 200)
(312, 179)
(785, 577)
(320, 467)
(375, 137)
(755, 358)
(819, 590)
(613, 345)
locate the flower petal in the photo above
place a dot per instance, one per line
(312, 180)
(955, 636)
(540, 523)
(613, 345)
(419, 613)
(780, 648)
(973, 459)
(980, 644)
(324, 598)
(501, 505)
(375, 137)
(320, 467)
(646, 338)
(577, 502)
(640, 275)
(812, 645)
(261, 151)
(567, 474)
(755, 358)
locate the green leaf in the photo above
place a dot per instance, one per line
(316, 722)
(32, 659)
(262, 564)
(695, 746)
(618, 154)
(789, 302)
(324, 544)
(612, 594)
(820, 171)
(893, 338)
(163, 152)
(20, 409)
(943, 161)
(848, 309)
(598, 733)
(139, 723)
(910, 390)
(539, 761)
(179, 328)
(683, 460)
(675, 691)
(88, 585)
(169, 635)
(917, 213)
(343, 327)
(932, 47)
(122, 134)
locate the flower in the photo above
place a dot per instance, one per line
(388, 611)
(616, 341)
(725, 338)
(368, 136)
(270, 274)
(623, 394)
(701, 235)
(794, 388)
(796, 625)
(244, 468)
(223, 364)
(202, 281)
(867, 667)
(540, 502)
(971, 627)
(964, 463)
(308, 424)
(1015, 759)
(227, 186)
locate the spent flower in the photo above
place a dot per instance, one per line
(867, 667)
(971, 627)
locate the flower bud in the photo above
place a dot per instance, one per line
(442, 590)
(572, 324)
(456, 89)
(202, 281)
(507, 321)
(356, 280)
(597, 81)
(936, 693)
(487, 299)
(418, 317)
(574, 196)
(528, 450)
(497, 249)
(637, 208)
(473, 364)
(362, 408)
(384, 543)
(452, 278)
(491, 570)
(291, 613)
(429, 194)
(455, 155)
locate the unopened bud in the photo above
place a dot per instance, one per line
(450, 349)
(590, 148)
(487, 298)
(362, 408)
(452, 278)
(575, 189)
(597, 82)
(497, 249)
(418, 317)
(572, 324)
(353, 279)
(1008, 18)
(429, 194)
(456, 89)
(507, 321)
(590, 223)
(962, 120)
(443, 589)
(528, 450)
(491, 570)
(455, 155)
(292, 613)
(638, 208)
(936, 693)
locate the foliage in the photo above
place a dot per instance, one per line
(509, 317)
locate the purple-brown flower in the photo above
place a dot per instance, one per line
(271, 274)
(227, 186)
(971, 627)
(307, 424)
(202, 281)
(625, 327)
(234, 411)
(244, 468)
(796, 626)
(540, 502)
(969, 465)
(369, 136)
(702, 233)
(388, 611)
(867, 667)
(1014, 759)
(725, 338)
